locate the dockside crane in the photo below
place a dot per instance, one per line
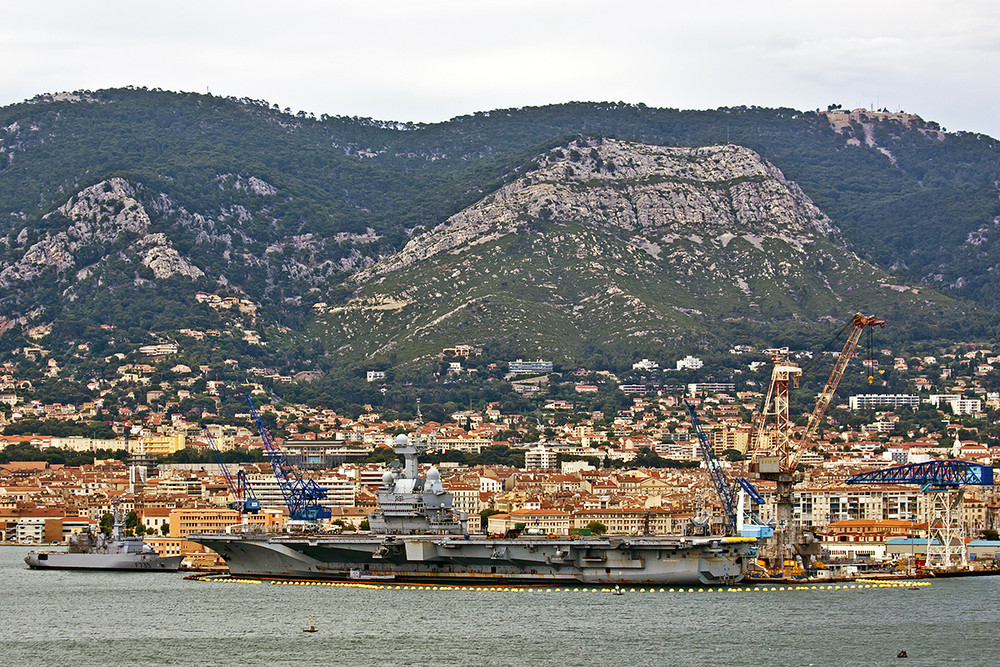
(858, 325)
(739, 522)
(783, 454)
(775, 455)
(244, 500)
(944, 482)
(301, 496)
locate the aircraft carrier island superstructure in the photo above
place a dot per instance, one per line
(416, 536)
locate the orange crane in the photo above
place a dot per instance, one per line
(783, 454)
(775, 456)
(858, 325)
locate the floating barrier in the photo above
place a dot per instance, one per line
(860, 584)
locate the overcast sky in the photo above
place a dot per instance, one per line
(431, 60)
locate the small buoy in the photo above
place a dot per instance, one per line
(310, 627)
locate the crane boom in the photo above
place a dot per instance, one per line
(725, 490)
(715, 472)
(944, 482)
(243, 495)
(858, 326)
(932, 474)
(776, 454)
(301, 496)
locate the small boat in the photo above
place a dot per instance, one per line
(618, 590)
(310, 627)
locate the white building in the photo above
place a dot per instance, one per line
(39, 526)
(865, 401)
(539, 458)
(340, 491)
(678, 451)
(490, 485)
(521, 367)
(937, 399)
(690, 363)
(966, 406)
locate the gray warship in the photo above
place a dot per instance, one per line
(88, 551)
(416, 536)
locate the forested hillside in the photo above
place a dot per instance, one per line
(118, 207)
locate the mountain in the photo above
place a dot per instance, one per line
(304, 242)
(613, 245)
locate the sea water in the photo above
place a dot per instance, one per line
(97, 618)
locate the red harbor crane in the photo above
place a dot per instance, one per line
(774, 454)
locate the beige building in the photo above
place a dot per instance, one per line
(184, 522)
(547, 522)
(737, 437)
(157, 444)
(853, 539)
(36, 526)
(153, 518)
(465, 497)
(630, 521)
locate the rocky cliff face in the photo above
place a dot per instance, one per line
(614, 241)
(98, 215)
(127, 228)
(603, 243)
(655, 194)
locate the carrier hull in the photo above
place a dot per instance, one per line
(523, 560)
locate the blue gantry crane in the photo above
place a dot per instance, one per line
(944, 482)
(244, 500)
(301, 496)
(930, 475)
(727, 491)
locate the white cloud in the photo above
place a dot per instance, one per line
(435, 59)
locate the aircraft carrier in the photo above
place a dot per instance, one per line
(416, 537)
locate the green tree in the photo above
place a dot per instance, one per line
(597, 528)
(484, 517)
(107, 523)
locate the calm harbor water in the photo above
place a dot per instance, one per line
(75, 618)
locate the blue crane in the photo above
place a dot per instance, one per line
(301, 496)
(244, 499)
(930, 475)
(726, 491)
(945, 482)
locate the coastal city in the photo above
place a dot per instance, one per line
(499, 334)
(563, 468)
